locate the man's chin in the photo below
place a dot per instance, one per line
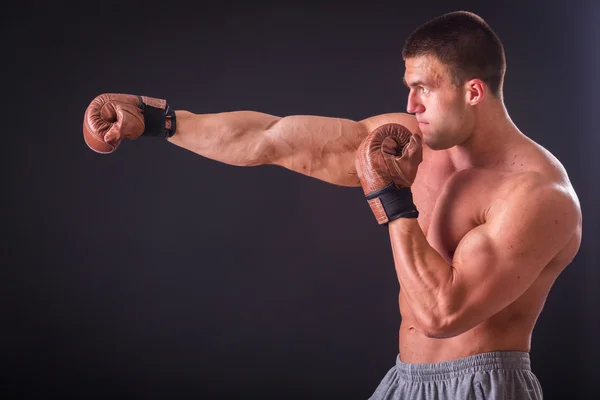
(433, 144)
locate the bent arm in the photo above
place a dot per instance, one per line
(494, 264)
(320, 147)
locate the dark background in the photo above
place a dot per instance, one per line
(156, 273)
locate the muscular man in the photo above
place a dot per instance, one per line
(482, 220)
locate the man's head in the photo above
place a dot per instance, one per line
(453, 63)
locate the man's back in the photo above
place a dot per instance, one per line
(452, 201)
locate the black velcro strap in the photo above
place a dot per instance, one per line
(397, 202)
(154, 121)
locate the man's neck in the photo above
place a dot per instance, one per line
(487, 146)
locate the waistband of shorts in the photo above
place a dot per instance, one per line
(496, 360)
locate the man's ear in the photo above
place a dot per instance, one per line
(475, 91)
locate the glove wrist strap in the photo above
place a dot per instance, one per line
(391, 202)
(155, 119)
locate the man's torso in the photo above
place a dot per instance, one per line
(452, 202)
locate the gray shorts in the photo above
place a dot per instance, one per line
(494, 375)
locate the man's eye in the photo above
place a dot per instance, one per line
(424, 90)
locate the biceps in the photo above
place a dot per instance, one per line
(488, 275)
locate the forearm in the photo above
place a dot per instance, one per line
(236, 138)
(424, 276)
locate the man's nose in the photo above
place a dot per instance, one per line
(413, 105)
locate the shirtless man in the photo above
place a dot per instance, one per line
(487, 222)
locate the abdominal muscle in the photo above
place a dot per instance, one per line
(508, 330)
(416, 348)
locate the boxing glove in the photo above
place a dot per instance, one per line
(386, 162)
(112, 117)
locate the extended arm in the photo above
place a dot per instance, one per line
(320, 147)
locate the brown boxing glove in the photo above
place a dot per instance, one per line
(112, 117)
(386, 162)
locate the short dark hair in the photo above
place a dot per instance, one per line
(465, 43)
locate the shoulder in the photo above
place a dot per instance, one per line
(536, 158)
(538, 196)
(407, 120)
(535, 174)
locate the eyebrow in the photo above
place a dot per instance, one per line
(415, 83)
